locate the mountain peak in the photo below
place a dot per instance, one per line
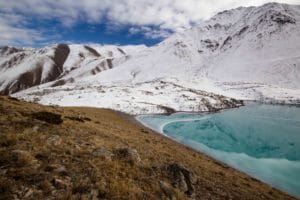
(244, 53)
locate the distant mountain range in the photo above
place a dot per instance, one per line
(247, 53)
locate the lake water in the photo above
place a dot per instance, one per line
(260, 140)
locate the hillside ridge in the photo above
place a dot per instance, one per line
(247, 53)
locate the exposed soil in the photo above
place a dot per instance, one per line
(61, 54)
(89, 153)
(92, 51)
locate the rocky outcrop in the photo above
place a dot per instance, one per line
(60, 55)
(282, 18)
(127, 155)
(103, 154)
(92, 51)
(180, 178)
(6, 50)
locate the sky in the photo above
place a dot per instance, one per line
(39, 23)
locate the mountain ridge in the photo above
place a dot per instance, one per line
(247, 53)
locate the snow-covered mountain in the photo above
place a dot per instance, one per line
(254, 45)
(244, 53)
(23, 68)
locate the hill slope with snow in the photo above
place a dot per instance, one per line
(245, 53)
(24, 68)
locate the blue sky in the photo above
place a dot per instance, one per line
(54, 31)
(41, 22)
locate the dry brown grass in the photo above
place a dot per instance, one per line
(98, 153)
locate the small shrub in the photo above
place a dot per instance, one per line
(46, 186)
(83, 186)
(5, 157)
(8, 140)
(22, 158)
(48, 117)
(6, 187)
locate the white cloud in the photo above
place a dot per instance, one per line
(13, 33)
(166, 15)
(150, 32)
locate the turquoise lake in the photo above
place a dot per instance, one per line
(258, 139)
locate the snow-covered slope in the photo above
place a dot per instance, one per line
(23, 68)
(254, 44)
(250, 53)
(244, 53)
(157, 96)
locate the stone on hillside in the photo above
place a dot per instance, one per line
(24, 158)
(167, 190)
(128, 155)
(54, 140)
(102, 153)
(60, 183)
(180, 178)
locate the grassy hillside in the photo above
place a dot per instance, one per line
(89, 153)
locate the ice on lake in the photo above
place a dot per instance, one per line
(261, 140)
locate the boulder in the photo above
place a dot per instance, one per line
(167, 190)
(127, 155)
(180, 177)
(54, 140)
(103, 153)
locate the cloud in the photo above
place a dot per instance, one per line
(12, 31)
(165, 15)
(150, 32)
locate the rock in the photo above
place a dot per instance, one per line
(54, 140)
(35, 129)
(102, 153)
(60, 170)
(128, 155)
(166, 109)
(57, 168)
(94, 194)
(28, 193)
(102, 186)
(167, 189)
(3, 171)
(60, 184)
(180, 177)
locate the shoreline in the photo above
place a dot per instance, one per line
(106, 153)
(156, 133)
(140, 124)
(216, 161)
